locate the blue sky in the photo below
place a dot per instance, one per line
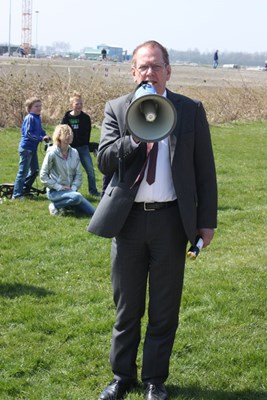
(206, 25)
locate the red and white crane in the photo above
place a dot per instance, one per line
(26, 27)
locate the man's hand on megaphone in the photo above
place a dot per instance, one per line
(150, 117)
(136, 140)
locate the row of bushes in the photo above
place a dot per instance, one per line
(99, 83)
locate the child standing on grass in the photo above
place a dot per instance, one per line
(80, 123)
(32, 134)
(62, 175)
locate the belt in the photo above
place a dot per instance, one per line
(153, 206)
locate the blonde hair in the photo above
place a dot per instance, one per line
(30, 102)
(60, 131)
(75, 95)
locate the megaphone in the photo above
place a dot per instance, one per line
(150, 117)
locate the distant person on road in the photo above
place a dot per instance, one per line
(61, 174)
(216, 59)
(32, 133)
(104, 54)
(80, 123)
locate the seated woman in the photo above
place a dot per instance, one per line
(61, 174)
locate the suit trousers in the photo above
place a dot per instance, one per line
(148, 258)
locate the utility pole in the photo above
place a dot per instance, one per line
(36, 45)
(9, 35)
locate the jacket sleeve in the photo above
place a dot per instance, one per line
(65, 120)
(205, 172)
(89, 128)
(31, 129)
(43, 133)
(115, 142)
(47, 178)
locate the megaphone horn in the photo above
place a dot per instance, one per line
(149, 109)
(150, 117)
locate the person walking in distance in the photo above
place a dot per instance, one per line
(216, 59)
(151, 218)
(80, 123)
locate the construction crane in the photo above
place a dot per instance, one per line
(26, 28)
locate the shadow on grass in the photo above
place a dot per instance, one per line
(196, 393)
(12, 290)
(230, 208)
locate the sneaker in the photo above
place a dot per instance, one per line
(53, 210)
(18, 198)
(95, 194)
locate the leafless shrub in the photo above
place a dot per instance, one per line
(232, 104)
(226, 95)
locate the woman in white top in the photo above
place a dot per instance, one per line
(61, 174)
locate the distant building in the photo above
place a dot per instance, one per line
(4, 49)
(91, 54)
(113, 53)
(16, 51)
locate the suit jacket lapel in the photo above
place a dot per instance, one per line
(174, 135)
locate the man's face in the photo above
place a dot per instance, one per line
(150, 67)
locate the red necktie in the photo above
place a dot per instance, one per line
(152, 162)
(151, 159)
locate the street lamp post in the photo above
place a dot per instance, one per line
(9, 34)
(36, 45)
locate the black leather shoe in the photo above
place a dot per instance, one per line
(156, 391)
(115, 390)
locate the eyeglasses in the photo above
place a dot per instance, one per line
(154, 67)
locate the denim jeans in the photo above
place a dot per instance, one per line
(69, 198)
(87, 164)
(27, 173)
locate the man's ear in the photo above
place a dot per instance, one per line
(133, 73)
(169, 71)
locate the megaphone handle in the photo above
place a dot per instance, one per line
(194, 251)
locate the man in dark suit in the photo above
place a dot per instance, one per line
(151, 223)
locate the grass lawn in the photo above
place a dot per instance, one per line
(56, 308)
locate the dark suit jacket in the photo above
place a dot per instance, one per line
(192, 162)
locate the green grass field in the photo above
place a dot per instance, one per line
(56, 308)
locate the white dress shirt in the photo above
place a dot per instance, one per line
(162, 189)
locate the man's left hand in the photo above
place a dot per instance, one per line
(207, 235)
